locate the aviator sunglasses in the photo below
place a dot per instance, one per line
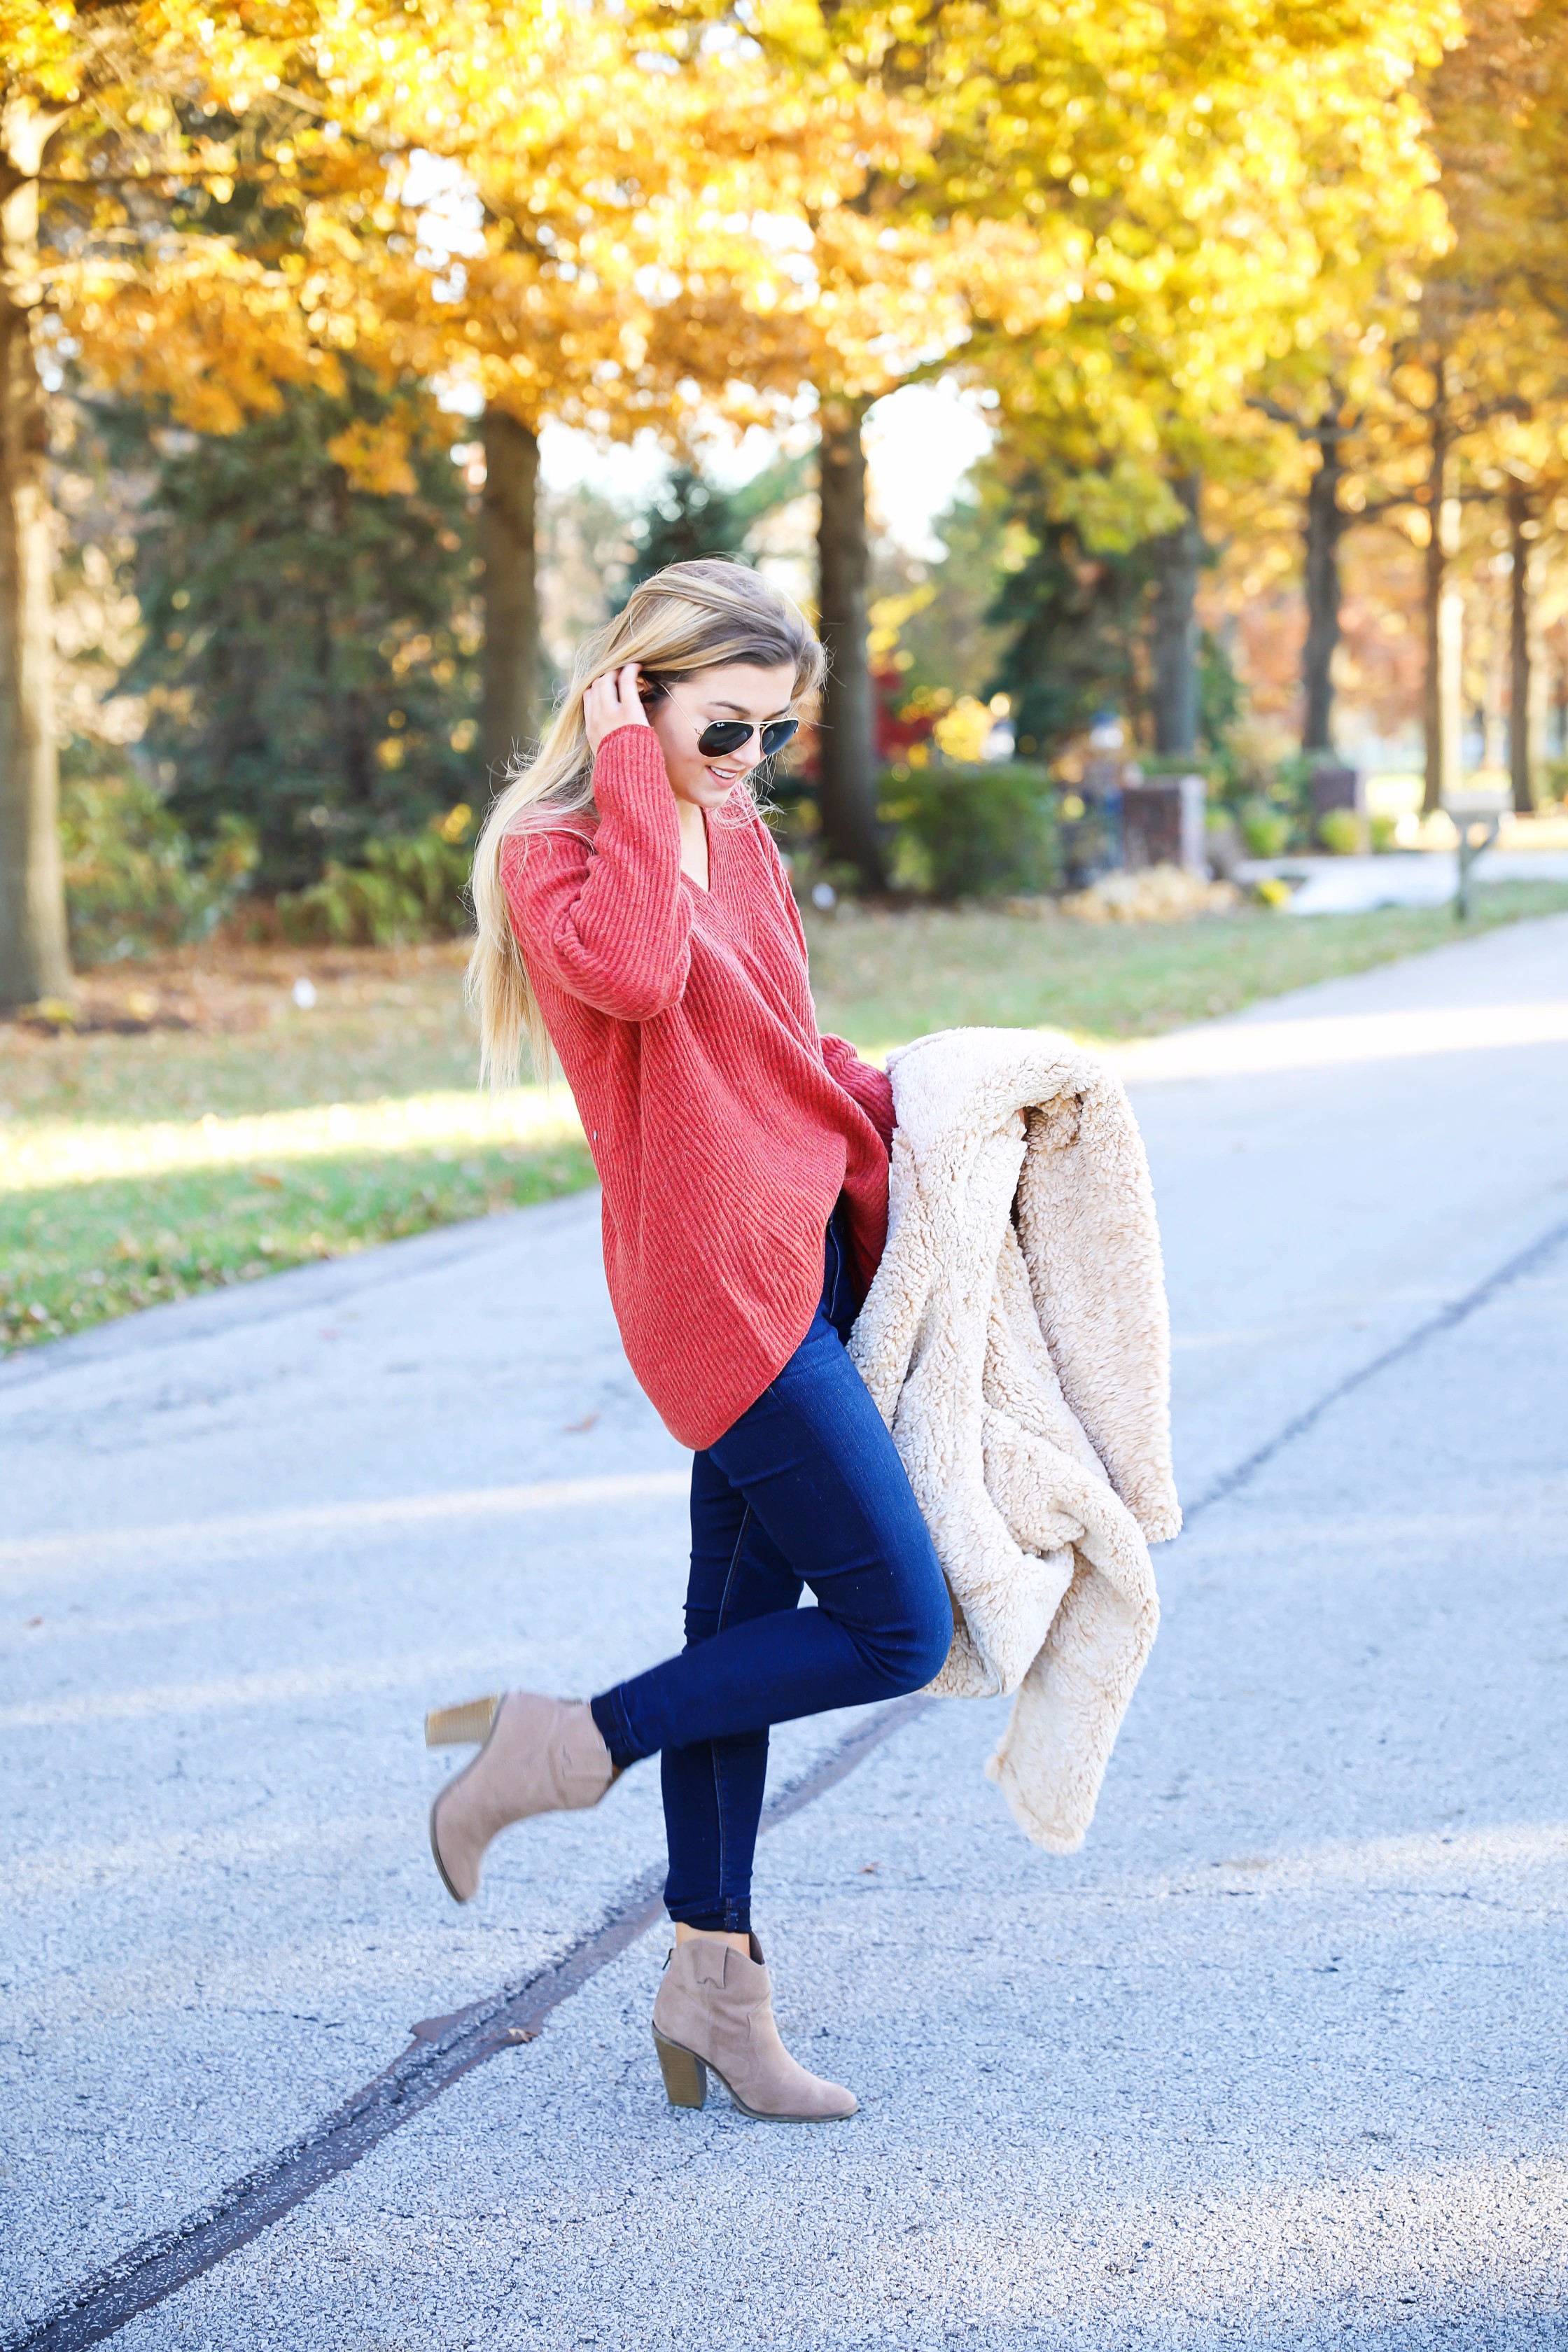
(726, 735)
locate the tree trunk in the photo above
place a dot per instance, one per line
(1174, 627)
(508, 514)
(1538, 715)
(849, 722)
(1327, 523)
(34, 958)
(1437, 713)
(1519, 655)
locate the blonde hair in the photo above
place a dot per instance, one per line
(686, 618)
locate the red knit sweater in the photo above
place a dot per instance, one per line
(723, 1125)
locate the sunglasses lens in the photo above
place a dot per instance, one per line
(724, 735)
(728, 734)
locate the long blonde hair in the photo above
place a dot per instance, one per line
(687, 617)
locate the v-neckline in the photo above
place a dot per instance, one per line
(705, 888)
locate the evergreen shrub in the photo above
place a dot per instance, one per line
(1339, 832)
(1264, 828)
(411, 886)
(134, 883)
(975, 832)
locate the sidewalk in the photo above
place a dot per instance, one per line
(1276, 2061)
(1396, 877)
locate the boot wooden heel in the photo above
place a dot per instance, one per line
(462, 1726)
(685, 2078)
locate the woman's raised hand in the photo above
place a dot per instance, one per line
(612, 701)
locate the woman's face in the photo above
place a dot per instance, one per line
(737, 691)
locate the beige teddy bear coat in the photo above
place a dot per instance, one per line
(1017, 1344)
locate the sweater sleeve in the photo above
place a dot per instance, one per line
(870, 1087)
(607, 919)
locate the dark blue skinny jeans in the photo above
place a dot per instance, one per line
(806, 1489)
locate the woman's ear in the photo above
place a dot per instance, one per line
(650, 690)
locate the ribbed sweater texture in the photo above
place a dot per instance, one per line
(724, 1125)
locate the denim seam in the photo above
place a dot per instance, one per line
(730, 1571)
(721, 1890)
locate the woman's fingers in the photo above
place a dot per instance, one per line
(612, 701)
(601, 709)
(634, 715)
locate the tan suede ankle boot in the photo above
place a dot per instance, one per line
(715, 2010)
(539, 1755)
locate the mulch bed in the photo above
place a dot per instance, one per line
(222, 987)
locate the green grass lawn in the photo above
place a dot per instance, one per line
(138, 1168)
(882, 978)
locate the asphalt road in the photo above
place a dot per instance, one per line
(1278, 2061)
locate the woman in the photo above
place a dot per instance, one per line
(633, 914)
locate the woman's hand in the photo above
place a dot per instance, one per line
(613, 701)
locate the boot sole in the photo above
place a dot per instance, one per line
(436, 1856)
(686, 2085)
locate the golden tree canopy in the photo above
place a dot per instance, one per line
(235, 200)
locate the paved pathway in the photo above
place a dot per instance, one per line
(1353, 886)
(1278, 2061)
